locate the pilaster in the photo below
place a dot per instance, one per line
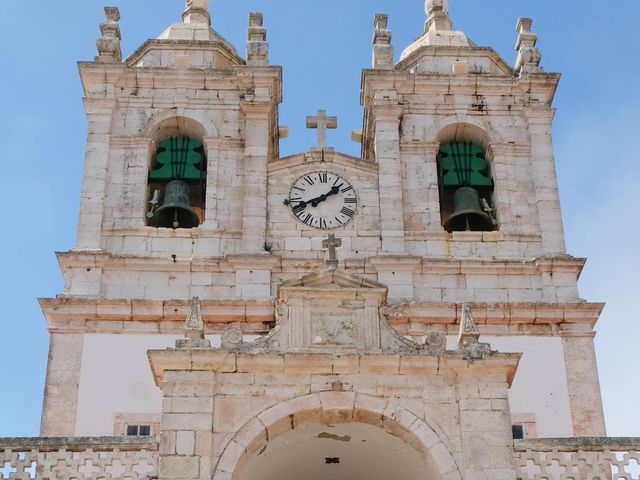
(485, 426)
(94, 183)
(257, 117)
(218, 150)
(61, 387)
(583, 382)
(387, 117)
(186, 442)
(540, 121)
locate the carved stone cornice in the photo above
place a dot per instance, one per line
(393, 263)
(505, 314)
(93, 315)
(223, 143)
(423, 148)
(221, 361)
(254, 262)
(498, 148)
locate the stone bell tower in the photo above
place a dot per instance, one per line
(180, 135)
(445, 321)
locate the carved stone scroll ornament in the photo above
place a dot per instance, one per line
(232, 338)
(435, 344)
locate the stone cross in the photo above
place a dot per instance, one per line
(322, 123)
(332, 243)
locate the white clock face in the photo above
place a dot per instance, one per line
(323, 200)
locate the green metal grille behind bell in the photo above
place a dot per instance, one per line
(180, 158)
(464, 165)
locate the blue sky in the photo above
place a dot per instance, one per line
(322, 47)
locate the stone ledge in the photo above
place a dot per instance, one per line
(95, 315)
(171, 361)
(44, 444)
(275, 263)
(585, 444)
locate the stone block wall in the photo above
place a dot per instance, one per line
(220, 408)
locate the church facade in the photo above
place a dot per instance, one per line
(411, 313)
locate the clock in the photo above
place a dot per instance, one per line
(322, 200)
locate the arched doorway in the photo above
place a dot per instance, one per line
(338, 435)
(353, 451)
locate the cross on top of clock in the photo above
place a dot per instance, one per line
(322, 123)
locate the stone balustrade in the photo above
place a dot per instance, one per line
(104, 458)
(592, 458)
(136, 458)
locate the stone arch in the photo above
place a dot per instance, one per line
(464, 128)
(174, 135)
(478, 203)
(169, 123)
(340, 408)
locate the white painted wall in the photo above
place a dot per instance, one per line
(115, 377)
(540, 386)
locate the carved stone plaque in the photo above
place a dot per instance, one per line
(338, 330)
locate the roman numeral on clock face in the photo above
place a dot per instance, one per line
(348, 212)
(308, 219)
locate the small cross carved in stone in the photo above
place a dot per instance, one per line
(332, 243)
(322, 123)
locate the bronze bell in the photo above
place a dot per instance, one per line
(176, 211)
(468, 214)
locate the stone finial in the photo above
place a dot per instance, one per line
(382, 47)
(108, 44)
(257, 45)
(197, 12)
(194, 328)
(438, 15)
(469, 337)
(529, 56)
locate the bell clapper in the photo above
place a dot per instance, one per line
(176, 224)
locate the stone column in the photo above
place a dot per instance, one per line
(60, 402)
(126, 202)
(214, 148)
(583, 382)
(186, 442)
(257, 151)
(485, 424)
(99, 115)
(543, 164)
(387, 118)
(421, 189)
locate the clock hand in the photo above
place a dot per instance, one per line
(316, 201)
